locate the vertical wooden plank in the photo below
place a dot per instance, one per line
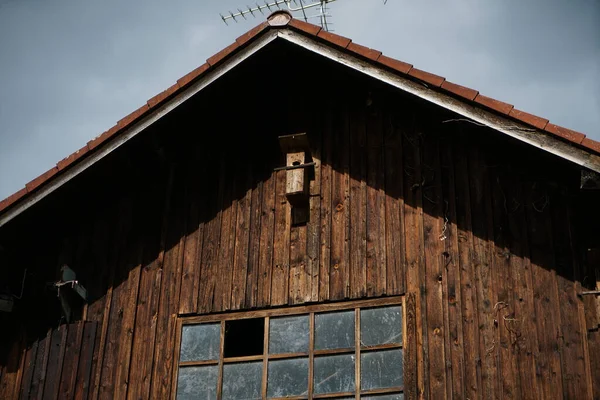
(544, 290)
(29, 367)
(11, 368)
(166, 317)
(41, 362)
(394, 206)
(299, 273)
(501, 276)
(55, 362)
(376, 265)
(144, 334)
(451, 275)
(242, 240)
(358, 204)
(523, 328)
(281, 247)
(468, 293)
(72, 350)
(252, 279)
(326, 211)
(190, 277)
(413, 232)
(267, 240)
(480, 212)
(339, 279)
(411, 388)
(432, 228)
(86, 355)
(313, 234)
(222, 298)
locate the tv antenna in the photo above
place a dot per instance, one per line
(298, 7)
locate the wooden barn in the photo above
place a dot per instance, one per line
(365, 230)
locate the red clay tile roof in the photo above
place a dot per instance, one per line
(284, 19)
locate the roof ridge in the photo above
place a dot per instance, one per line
(281, 19)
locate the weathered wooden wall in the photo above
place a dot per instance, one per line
(478, 231)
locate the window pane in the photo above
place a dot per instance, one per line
(397, 396)
(334, 374)
(380, 326)
(200, 342)
(197, 383)
(242, 380)
(288, 334)
(381, 369)
(288, 377)
(334, 330)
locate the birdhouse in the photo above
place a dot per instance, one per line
(296, 150)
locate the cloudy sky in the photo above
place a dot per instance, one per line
(69, 69)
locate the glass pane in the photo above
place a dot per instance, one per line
(288, 377)
(200, 342)
(288, 334)
(334, 374)
(397, 396)
(334, 330)
(242, 381)
(197, 382)
(381, 369)
(380, 325)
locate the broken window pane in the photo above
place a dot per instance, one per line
(380, 326)
(288, 334)
(288, 377)
(334, 330)
(197, 382)
(381, 369)
(397, 396)
(200, 342)
(334, 374)
(242, 381)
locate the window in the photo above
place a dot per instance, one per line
(349, 350)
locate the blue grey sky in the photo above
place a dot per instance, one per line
(69, 69)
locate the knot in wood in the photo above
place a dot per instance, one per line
(339, 207)
(437, 331)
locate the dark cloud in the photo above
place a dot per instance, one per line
(70, 69)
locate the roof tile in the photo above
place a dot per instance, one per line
(305, 27)
(95, 142)
(395, 64)
(241, 40)
(334, 39)
(459, 90)
(214, 60)
(123, 122)
(591, 144)
(190, 76)
(530, 119)
(430, 78)
(7, 202)
(570, 135)
(31, 186)
(364, 51)
(65, 162)
(494, 104)
(162, 95)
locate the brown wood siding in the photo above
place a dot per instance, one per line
(479, 241)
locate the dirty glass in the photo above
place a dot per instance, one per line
(197, 383)
(288, 334)
(397, 396)
(334, 330)
(380, 326)
(200, 342)
(287, 377)
(242, 381)
(334, 374)
(381, 369)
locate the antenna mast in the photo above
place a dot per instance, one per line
(298, 7)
